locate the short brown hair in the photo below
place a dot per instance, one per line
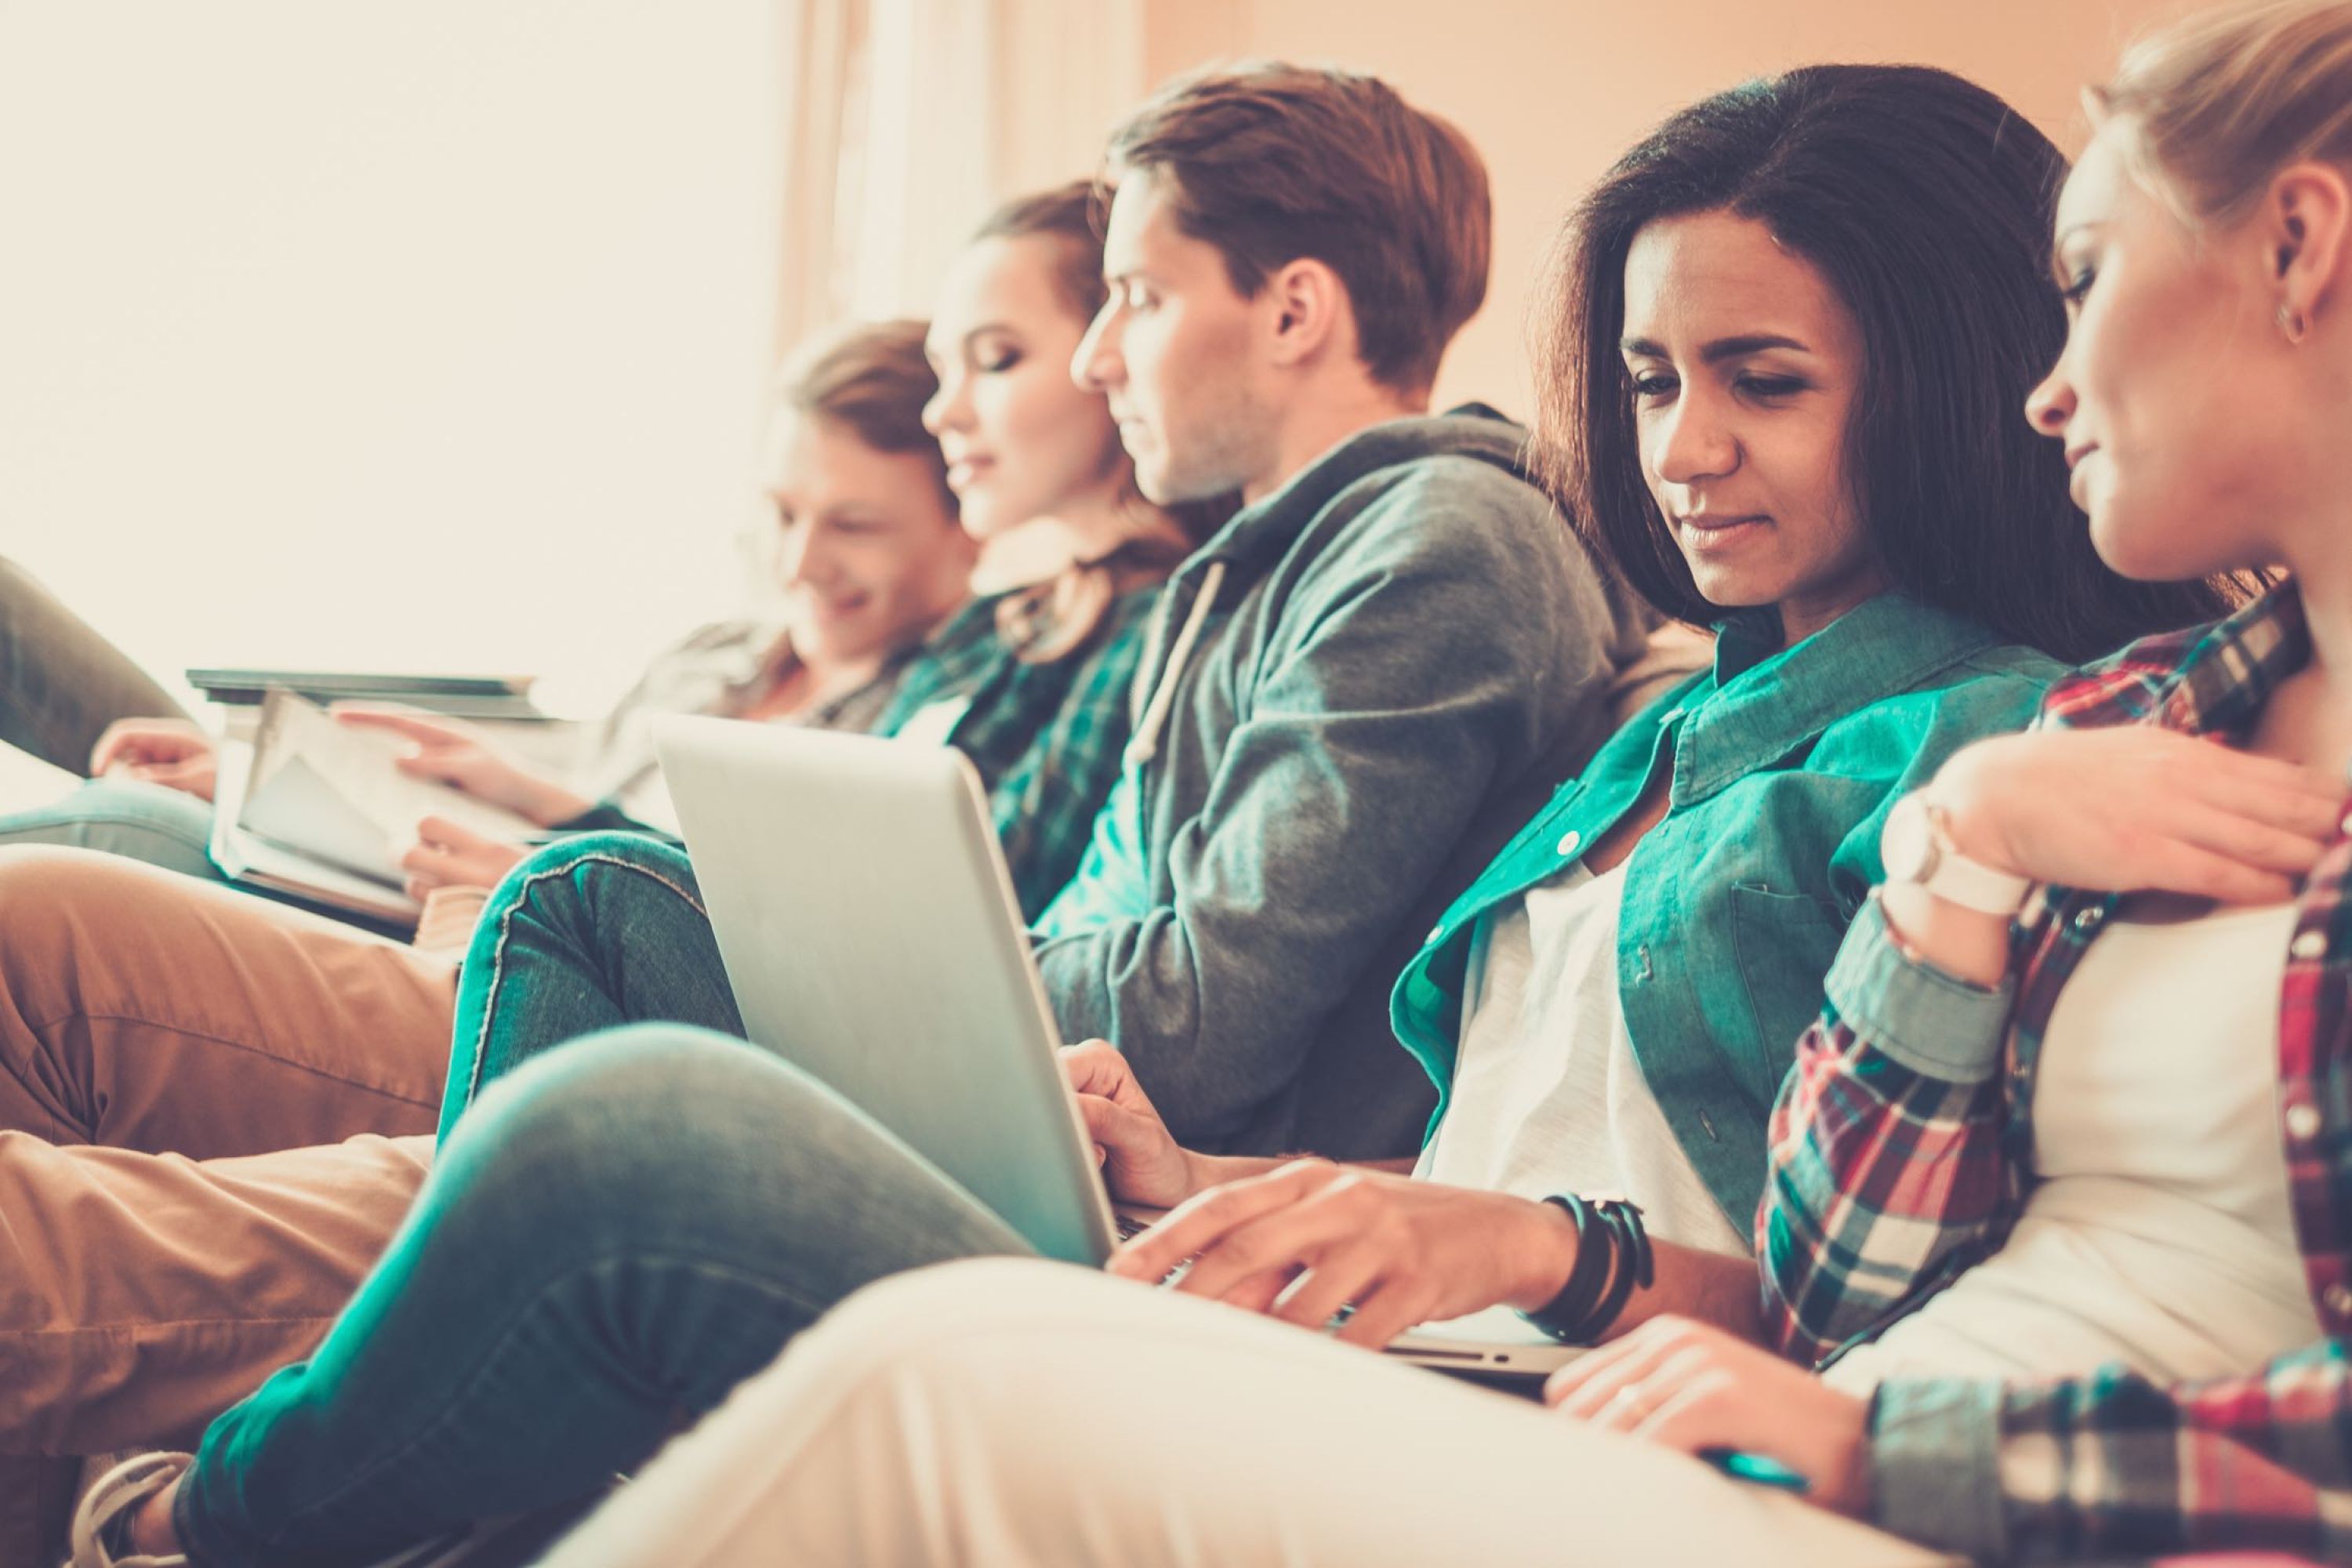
(1071, 215)
(1270, 162)
(873, 380)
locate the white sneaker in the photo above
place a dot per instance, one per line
(114, 1495)
(112, 1499)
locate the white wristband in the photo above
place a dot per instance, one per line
(1917, 847)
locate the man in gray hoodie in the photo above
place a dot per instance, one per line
(1394, 627)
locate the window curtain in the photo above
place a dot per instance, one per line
(906, 121)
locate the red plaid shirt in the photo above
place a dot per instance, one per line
(1902, 1151)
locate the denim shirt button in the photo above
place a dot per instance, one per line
(2089, 920)
(2304, 1122)
(1570, 843)
(2310, 945)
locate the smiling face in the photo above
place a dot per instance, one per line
(1020, 440)
(869, 551)
(2188, 442)
(1744, 368)
(1172, 350)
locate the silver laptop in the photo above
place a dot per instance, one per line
(872, 939)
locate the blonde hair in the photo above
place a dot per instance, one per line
(2219, 102)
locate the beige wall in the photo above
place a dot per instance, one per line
(1552, 90)
(328, 325)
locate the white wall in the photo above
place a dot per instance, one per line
(430, 334)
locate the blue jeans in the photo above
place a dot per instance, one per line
(613, 1236)
(601, 930)
(164, 827)
(145, 822)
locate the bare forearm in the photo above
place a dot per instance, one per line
(1964, 943)
(1213, 1170)
(1685, 1282)
(1707, 1286)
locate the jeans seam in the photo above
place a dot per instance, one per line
(447, 1416)
(143, 825)
(506, 929)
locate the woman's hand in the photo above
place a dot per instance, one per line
(448, 855)
(1690, 1386)
(453, 754)
(2138, 808)
(1308, 1238)
(168, 751)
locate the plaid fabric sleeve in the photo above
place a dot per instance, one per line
(1886, 1167)
(2112, 1465)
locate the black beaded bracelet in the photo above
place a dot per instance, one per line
(1613, 1256)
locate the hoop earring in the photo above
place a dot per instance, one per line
(2293, 323)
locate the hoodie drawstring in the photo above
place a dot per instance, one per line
(1145, 743)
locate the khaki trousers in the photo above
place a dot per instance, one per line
(214, 1112)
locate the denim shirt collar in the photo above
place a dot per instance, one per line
(1764, 701)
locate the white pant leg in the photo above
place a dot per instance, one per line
(1020, 1412)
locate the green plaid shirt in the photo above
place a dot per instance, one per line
(1046, 738)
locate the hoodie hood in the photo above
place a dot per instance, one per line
(1258, 536)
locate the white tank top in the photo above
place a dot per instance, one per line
(2160, 1234)
(1548, 1096)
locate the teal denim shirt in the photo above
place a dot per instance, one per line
(1784, 763)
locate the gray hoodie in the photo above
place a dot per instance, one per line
(1337, 684)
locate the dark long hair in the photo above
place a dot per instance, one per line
(1925, 201)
